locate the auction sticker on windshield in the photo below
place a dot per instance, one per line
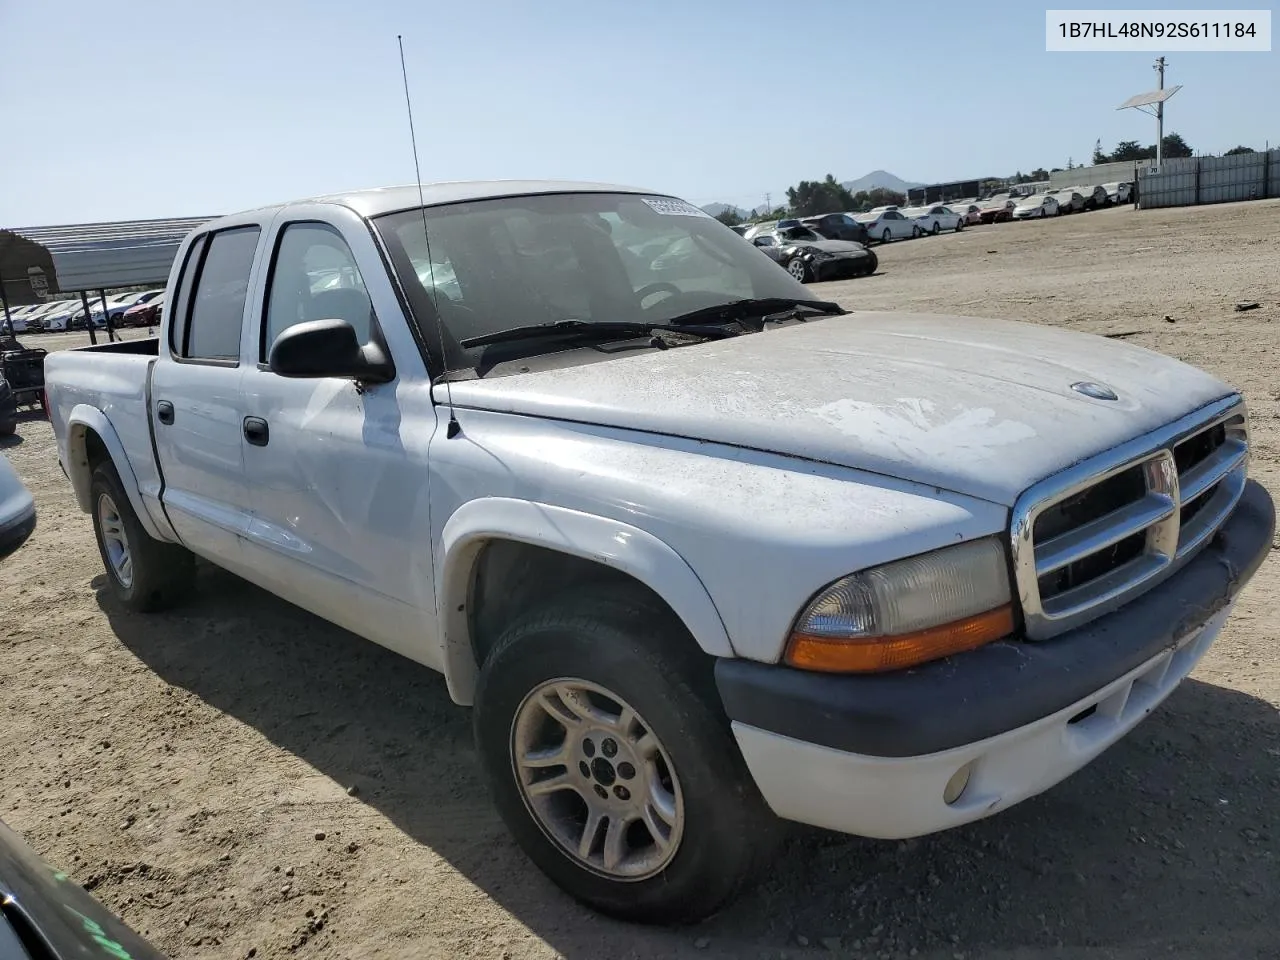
(669, 207)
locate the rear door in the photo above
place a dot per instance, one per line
(195, 401)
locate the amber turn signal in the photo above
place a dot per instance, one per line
(879, 654)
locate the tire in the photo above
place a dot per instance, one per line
(936, 229)
(873, 263)
(916, 233)
(799, 270)
(145, 574)
(8, 428)
(626, 652)
(886, 236)
(959, 224)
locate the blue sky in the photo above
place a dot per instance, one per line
(149, 108)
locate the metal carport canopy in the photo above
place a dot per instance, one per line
(106, 256)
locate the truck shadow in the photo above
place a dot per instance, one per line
(1168, 842)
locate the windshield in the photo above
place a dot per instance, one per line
(596, 257)
(798, 233)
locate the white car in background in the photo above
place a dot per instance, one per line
(886, 225)
(1037, 205)
(1070, 199)
(936, 218)
(1118, 192)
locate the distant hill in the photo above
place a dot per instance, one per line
(880, 178)
(715, 209)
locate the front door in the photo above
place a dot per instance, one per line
(338, 474)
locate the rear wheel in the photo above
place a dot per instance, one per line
(872, 263)
(886, 236)
(145, 574)
(916, 233)
(609, 759)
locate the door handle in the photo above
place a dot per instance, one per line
(256, 431)
(164, 412)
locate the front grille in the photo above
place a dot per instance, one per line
(1095, 536)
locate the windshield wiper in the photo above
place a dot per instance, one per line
(763, 307)
(605, 330)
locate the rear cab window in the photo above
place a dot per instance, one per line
(213, 287)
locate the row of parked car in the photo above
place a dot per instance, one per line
(137, 308)
(834, 246)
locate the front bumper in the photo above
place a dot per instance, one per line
(841, 268)
(872, 755)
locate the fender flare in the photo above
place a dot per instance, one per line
(609, 542)
(84, 418)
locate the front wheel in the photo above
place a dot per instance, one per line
(145, 574)
(799, 269)
(605, 752)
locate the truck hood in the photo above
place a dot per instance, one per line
(979, 407)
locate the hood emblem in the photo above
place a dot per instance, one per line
(1097, 391)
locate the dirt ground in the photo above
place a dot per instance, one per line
(239, 779)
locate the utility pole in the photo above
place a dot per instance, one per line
(1159, 68)
(768, 203)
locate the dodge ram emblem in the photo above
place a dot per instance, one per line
(1096, 390)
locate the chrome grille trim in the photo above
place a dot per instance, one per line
(1156, 515)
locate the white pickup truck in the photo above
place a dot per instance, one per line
(703, 553)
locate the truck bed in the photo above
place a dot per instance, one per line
(146, 347)
(105, 388)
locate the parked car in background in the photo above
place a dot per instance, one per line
(810, 257)
(740, 228)
(79, 320)
(1070, 200)
(58, 319)
(146, 313)
(18, 317)
(1095, 197)
(36, 318)
(1118, 192)
(997, 209)
(936, 218)
(968, 209)
(838, 226)
(1037, 205)
(888, 225)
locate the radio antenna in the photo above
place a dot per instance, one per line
(454, 427)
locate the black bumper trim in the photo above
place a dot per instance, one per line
(14, 537)
(1005, 685)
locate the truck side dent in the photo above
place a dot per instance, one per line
(84, 420)
(610, 543)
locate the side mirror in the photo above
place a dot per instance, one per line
(328, 348)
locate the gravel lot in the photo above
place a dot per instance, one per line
(240, 779)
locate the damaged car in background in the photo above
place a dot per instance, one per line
(810, 257)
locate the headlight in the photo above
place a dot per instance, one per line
(816, 254)
(907, 612)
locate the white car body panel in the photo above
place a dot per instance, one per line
(16, 503)
(896, 394)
